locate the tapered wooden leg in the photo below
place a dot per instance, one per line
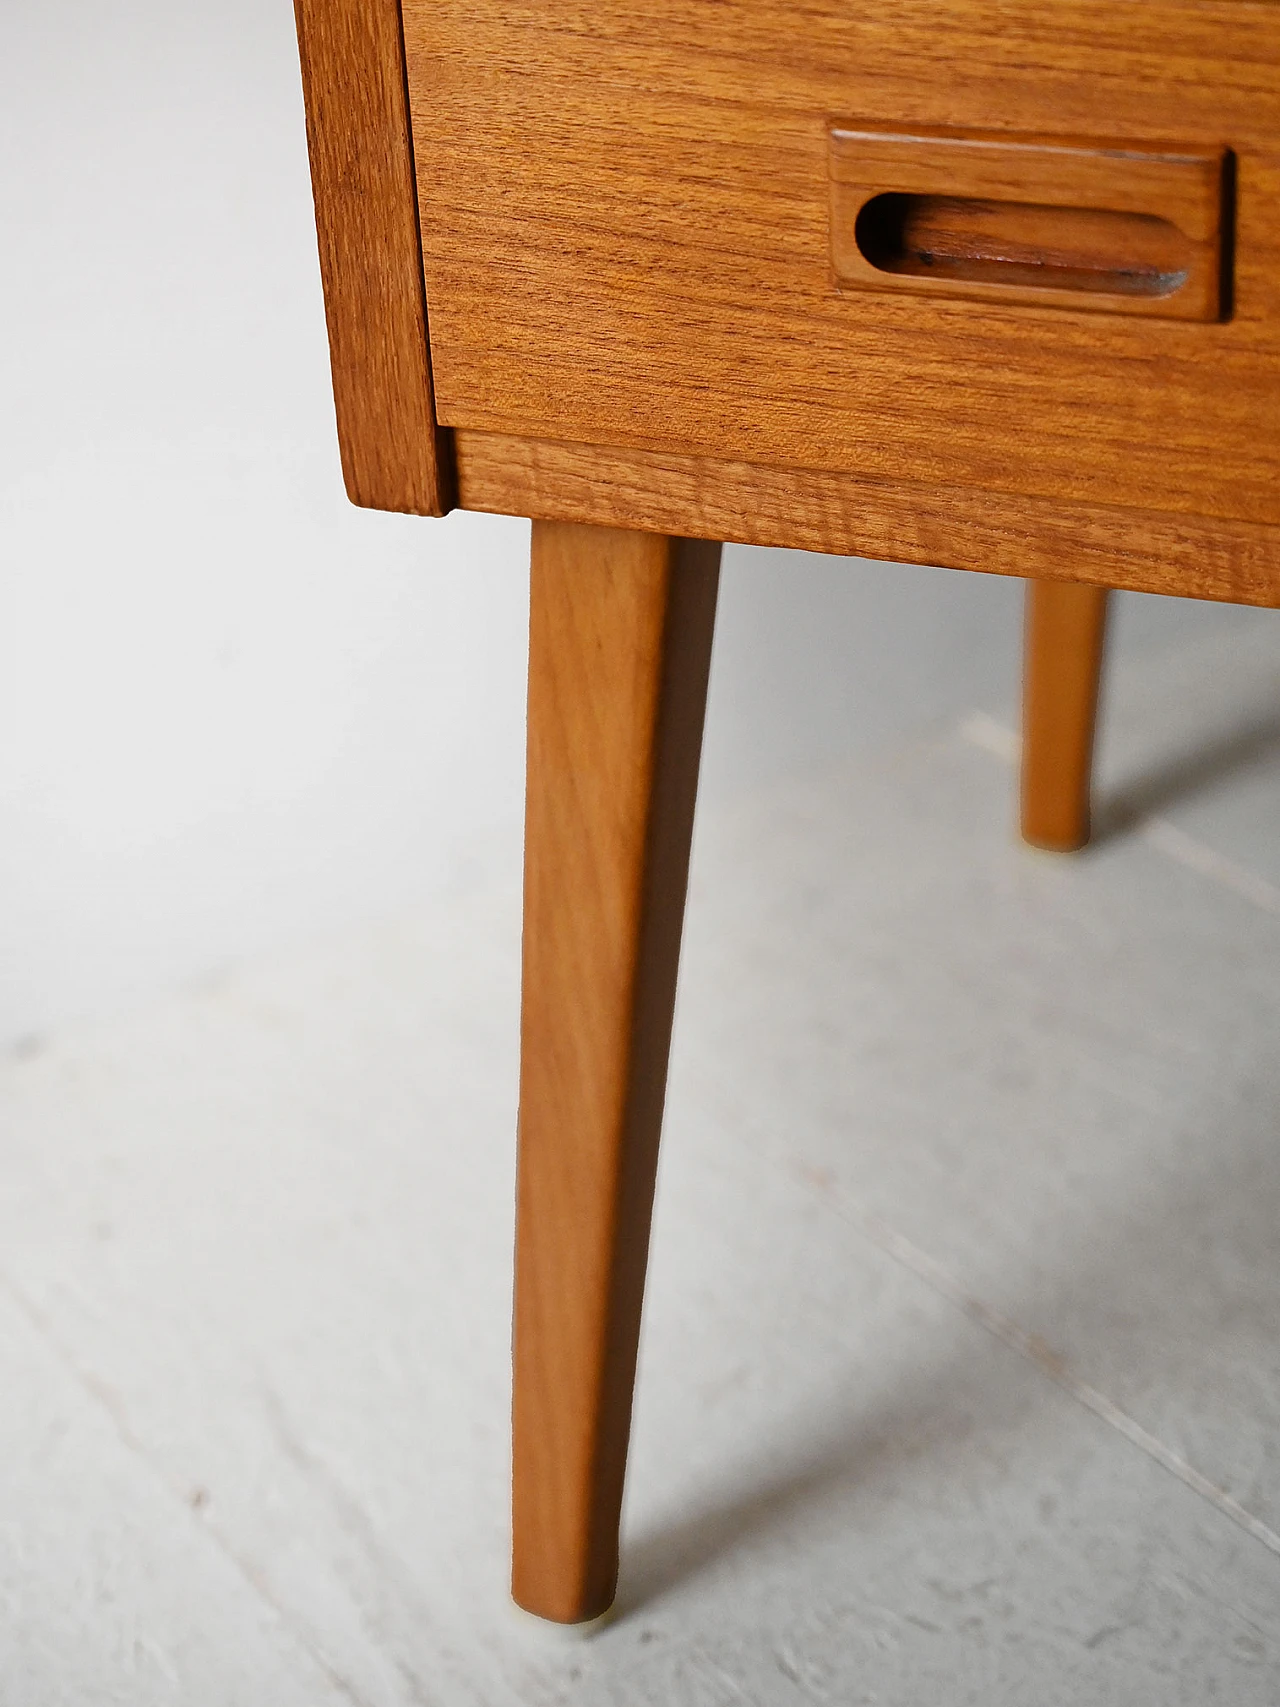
(619, 649)
(1065, 630)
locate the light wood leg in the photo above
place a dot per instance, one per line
(619, 649)
(1065, 631)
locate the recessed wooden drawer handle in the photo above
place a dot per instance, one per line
(1002, 218)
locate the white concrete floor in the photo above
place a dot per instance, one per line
(961, 1378)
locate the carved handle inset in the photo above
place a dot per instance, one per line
(1030, 220)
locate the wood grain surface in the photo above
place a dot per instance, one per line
(619, 648)
(1062, 665)
(362, 175)
(954, 527)
(627, 239)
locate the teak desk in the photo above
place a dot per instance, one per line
(993, 284)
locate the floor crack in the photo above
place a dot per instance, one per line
(192, 1497)
(1051, 1363)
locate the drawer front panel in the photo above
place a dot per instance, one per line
(627, 235)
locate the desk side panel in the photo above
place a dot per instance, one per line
(394, 456)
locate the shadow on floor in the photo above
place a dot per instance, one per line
(1221, 1211)
(1184, 775)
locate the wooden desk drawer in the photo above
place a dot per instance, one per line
(626, 231)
